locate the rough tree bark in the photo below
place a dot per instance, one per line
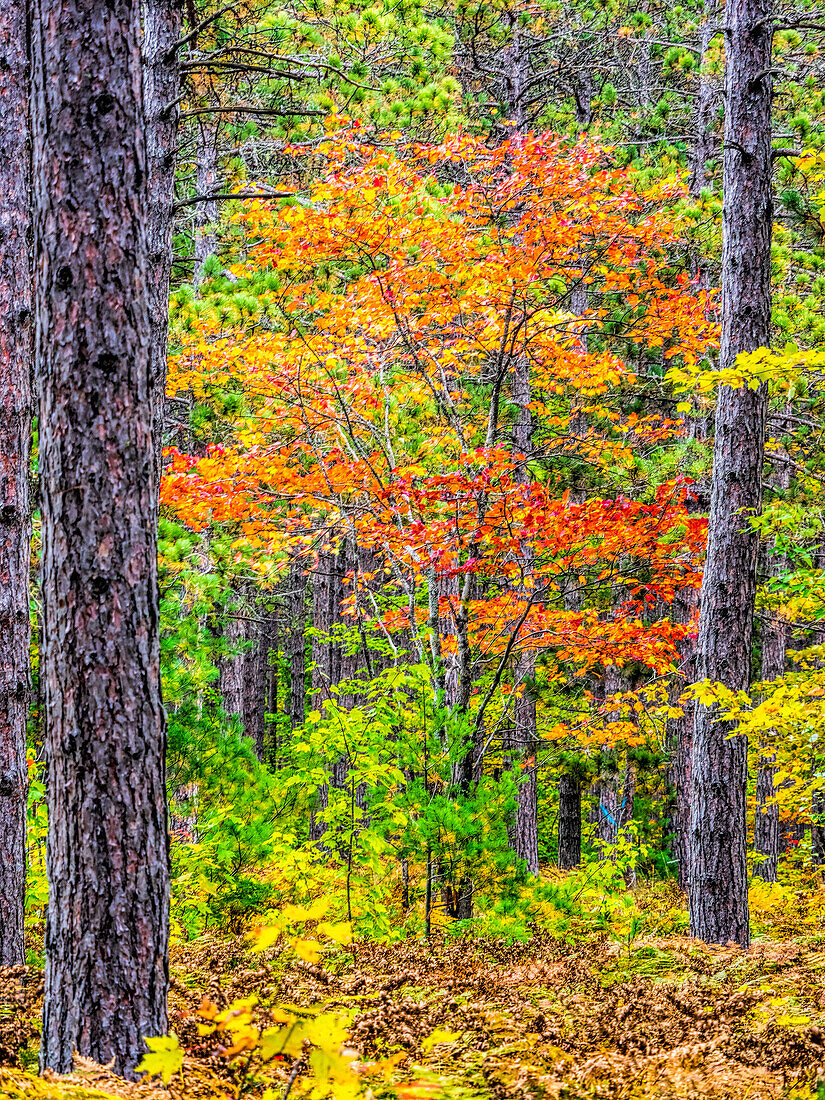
(718, 895)
(161, 86)
(570, 822)
(244, 670)
(108, 850)
(231, 666)
(16, 360)
(327, 594)
(256, 671)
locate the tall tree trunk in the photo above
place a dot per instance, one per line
(327, 592)
(704, 142)
(680, 736)
(295, 645)
(256, 674)
(244, 670)
(231, 666)
(206, 180)
(766, 818)
(273, 675)
(608, 811)
(16, 361)
(108, 848)
(718, 875)
(161, 86)
(570, 822)
(524, 837)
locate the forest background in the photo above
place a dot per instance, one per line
(442, 364)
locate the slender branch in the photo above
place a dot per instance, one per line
(215, 195)
(243, 109)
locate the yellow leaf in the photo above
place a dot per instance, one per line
(437, 1037)
(327, 1031)
(283, 1040)
(265, 937)
(339, 933)
(164, 1059)
(307, 950)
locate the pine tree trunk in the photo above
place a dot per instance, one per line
(766, 818)
(206, 183)
(766, 822)
(295, 646)
(704, 144)
(161, 86)
(718, 894)
(273, 673)
(327, 592)
(680, 737)
(231, 666)
(256, 673)
(16, 364)
(570, 822)
(108, 850)
(244, 671)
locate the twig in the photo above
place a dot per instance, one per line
(297, 1069)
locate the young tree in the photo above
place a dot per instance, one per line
(107, 853)
(16, 350)
(718, 873)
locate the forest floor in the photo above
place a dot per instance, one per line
(655, 1017)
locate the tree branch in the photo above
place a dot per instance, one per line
(215, 195)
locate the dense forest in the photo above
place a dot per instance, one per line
(412, 549)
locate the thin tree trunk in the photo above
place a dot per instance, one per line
(161, 85)
(108, 849)
(16, 363)
(570, 822)
(718, 894)
(608, 808)
(524, 838)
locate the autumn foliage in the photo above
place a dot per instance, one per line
(372, 393)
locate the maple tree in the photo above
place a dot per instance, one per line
(368, 399)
